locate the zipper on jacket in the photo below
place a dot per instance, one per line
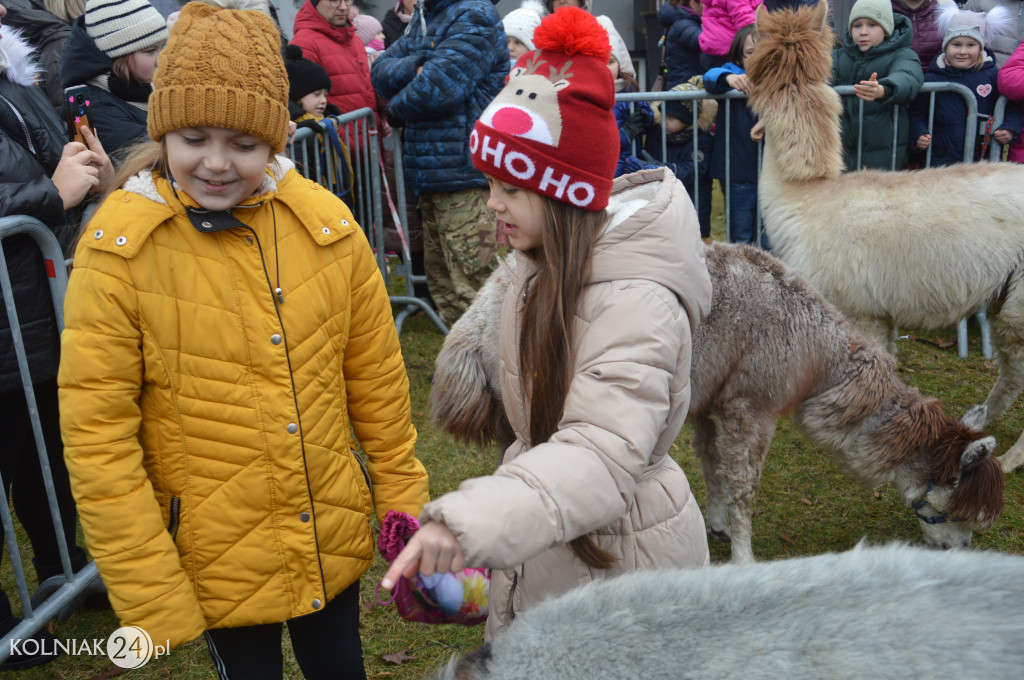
(362, 466)
(24, 127)
(172, 525)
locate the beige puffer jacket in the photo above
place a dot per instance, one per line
(607, 469)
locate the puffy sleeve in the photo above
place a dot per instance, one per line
(100, 378)
(585, 476)
(378, 392)
(1011, 75)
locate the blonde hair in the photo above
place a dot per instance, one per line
(65, 10)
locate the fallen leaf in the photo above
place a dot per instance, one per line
(806, 501)
(786, 538)
(398, 658)
(877, 494)
(109, 671)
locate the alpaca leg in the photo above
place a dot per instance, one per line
(879, 329)
(1008, 343)
(1014, 457)
(743, 440)
(710, 463)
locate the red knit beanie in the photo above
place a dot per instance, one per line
(551, 129)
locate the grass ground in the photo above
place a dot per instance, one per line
(805, 507)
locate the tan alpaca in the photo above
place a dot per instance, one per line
(912, 248)
(770, 346)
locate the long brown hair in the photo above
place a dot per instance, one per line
(546, 343)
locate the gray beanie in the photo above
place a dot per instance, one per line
(879, 11)
(120, 27)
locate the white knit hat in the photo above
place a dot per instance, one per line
(120, 27)
(521, 23)
(619, 50)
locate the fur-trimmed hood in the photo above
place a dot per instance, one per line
(17, 58)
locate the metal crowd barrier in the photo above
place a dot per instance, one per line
(358, 130)
(931, 89)
(56, 593)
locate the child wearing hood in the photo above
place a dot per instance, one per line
(519, 26)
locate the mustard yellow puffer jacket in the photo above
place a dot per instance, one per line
(207, 425)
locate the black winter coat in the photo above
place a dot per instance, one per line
(31, 142)
(682, 49)
(47, 34)
(393, 27)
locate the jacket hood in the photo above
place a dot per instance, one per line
(309, 18)
(670, 14)
(902, 36)
(651, 237)
(82, 60)
(17, 59)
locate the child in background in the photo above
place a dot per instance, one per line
(682, 22)
(113, 49)
(519, 27)
(1011, 84)
(595, 340)
(227, 332)
(632, 117)
(964, 59)
(680, 140)
(721, 20)
(885, 73)
(742, 151)
(308, 86)
(370, 32)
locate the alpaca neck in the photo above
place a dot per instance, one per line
(802, 133)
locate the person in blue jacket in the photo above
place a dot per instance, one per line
(693, 170)
(742, 152)
(113, 49)
(964, 59)
(682, 22)
(437, 79)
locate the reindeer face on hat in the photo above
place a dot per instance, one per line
(551, 129)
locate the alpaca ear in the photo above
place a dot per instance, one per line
(976, 452)
(820, 16)
(760, 17)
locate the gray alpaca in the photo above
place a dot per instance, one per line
(770, 346)
(887, 613)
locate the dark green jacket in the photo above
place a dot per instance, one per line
(899, 71)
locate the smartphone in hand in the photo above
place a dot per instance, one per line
(77, 111)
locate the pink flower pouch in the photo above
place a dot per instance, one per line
(439, 598)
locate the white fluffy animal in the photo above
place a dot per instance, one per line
(885, 613)
(913, 248)
(770, 346)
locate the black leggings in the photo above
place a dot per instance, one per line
(326, 644)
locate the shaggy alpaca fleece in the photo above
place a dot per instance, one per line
(920, 248)
(884, 613)
(770, 346)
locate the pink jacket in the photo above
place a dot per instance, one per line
(1011, 84)
(721, 20)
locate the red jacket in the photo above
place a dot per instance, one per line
(341, 54)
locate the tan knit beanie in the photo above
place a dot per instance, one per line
(222, 68)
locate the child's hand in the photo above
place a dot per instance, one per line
(76, 174)
(101, 160)
(869, 90)
(433, 548)
(1003, 136)
(292, 129)
(739, 82)
(757, 132)
(924, 141)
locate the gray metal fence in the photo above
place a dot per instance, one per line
(314, 155)
(57, 594)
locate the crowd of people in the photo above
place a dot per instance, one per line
(234, 449)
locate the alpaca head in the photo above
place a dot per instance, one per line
(965, 488)
(794, 47)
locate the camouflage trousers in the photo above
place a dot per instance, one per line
(459, 246)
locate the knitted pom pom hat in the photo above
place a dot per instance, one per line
(366, 27)
(222, 68)
(304, 76)
(521, 23)
(120, 27)
(979, 26)
(551, 129)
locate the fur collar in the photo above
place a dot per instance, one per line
(17, 58)
(143, 185)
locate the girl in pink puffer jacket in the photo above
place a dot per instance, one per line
(721, 20)
(1011, 84)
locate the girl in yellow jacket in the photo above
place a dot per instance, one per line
(227, 331)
